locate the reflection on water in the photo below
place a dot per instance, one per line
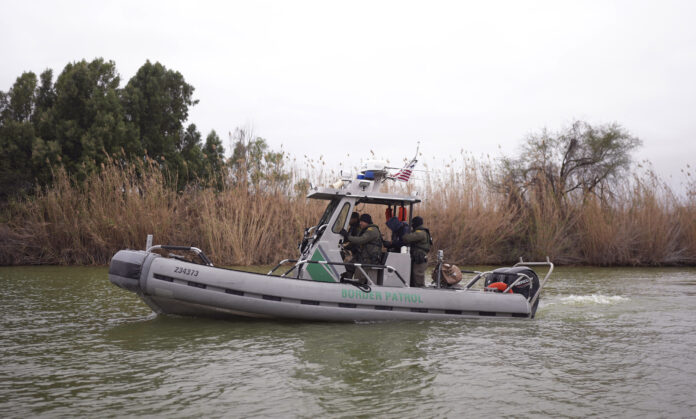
(593, 299)
(606, 342)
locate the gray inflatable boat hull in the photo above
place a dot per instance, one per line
(171, 286)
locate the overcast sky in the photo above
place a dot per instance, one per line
(325, 78)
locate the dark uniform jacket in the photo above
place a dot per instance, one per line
(419, 241)
(353, 230)
(369, 244)
(399, 229)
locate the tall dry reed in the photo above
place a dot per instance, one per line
(86, 222)
(471, 224)
(644, 224)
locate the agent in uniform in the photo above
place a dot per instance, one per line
(353, 230)
(369, 246)
(349, 249)
(420, 242)
(399, 229)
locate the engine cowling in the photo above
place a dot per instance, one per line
(125, 269)
(526, 286)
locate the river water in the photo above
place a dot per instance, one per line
(606, 342)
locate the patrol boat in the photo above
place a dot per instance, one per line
(311, 287)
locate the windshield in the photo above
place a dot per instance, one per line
(327, 213)
(341, 219)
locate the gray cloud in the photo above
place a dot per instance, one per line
(321, 78)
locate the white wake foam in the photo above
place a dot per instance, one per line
(593, 299)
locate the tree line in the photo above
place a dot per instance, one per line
(574, 163)
(90, 156)
(84, 118)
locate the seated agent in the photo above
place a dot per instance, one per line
(398, 228)
(353, 229)
(420, 242)
(369, 246)
(349, 249)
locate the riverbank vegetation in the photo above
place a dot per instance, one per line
(88, 168)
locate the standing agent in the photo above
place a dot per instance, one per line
(369, 246)
(399, 229)
(420, 242)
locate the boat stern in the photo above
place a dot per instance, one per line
(125, 269)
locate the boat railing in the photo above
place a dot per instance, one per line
(541, 285)
(520, 276)
(195, 250)
(360, 266)
(479, 275)
(475, 279)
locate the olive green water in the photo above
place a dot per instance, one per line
(606, 342)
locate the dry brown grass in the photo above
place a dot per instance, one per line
(468, 222)
(645, 224)
(86, 223)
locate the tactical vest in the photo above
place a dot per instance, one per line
(371, 252)
(353, 230)
(420, 249)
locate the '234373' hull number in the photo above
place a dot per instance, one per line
(185, 271)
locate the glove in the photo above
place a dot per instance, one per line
(343, 233)
(387, 243)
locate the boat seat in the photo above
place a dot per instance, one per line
(383, 258)
(380, 273)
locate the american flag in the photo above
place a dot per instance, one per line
(405, 173)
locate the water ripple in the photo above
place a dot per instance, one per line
(73, 345)
(594, 299)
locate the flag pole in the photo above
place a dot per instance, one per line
(410, 165)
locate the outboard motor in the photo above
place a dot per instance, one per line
(125, 269)
(526, 286)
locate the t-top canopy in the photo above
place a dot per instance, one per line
(363, 197)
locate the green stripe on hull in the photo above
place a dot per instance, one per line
(319, 272)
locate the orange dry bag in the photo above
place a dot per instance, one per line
(500, 286)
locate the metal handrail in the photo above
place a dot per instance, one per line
(531, 299)
(360, 266)
(520, 276)
(471, 283)
(316, 227)
(281, 263)
(195, 250)
(476, 278)
(541, 285)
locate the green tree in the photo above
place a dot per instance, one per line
(4, 103)
(157, 102)
(45, 94)
(214, 165)
(88, 116)
(16, 136)
(22, 98)
(189, 159)
(85, 118)
(46, 149)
